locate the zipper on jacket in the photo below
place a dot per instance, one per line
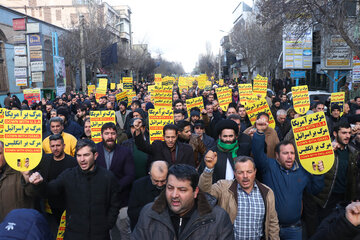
(179, 227)
(333, 182)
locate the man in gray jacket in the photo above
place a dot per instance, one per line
(183, 212)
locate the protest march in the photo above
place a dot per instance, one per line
(189, 157)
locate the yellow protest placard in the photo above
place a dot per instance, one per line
(97, 119)
(151, 88)
(119, 86)
(158, 78)
(32, 95)
(112, 86)
(224, 96)
(130, 96)
(127, 83)
(194, 102)
(2, 112)
(183, 83)
(260, 86)
(23, 139)
(62, 225)
(245, 93)
(301, 101)
(100, 92)
(158, 118)
(121, 96)
(261, 105)
(103, 83)
(339, 99)
(162, 97)
(91, 89)
(221, 82)
(313, 142)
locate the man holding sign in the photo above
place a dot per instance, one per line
(287, 179)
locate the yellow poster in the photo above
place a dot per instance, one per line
(121, 96)
(158, 78)
(119, 86)
(2, 113)
(224, 95)
(130, 96)
(127, 83)
(100, 92)
(194, 102)
(62, 226)
(97, 119)
(253, 109)
(339, 99)
(313, 142)
(260, 85)
(158, 118)
(162, 97)
(221, 82)
(112, 86)
(245, 93)
(23, 139)
(301, 101)
(151, 88)
(183, 83)
(91, 89)
(103, 83)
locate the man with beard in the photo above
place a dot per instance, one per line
(118, 160)
(121, 117)
(340, 180)
(185, 136)
(50, 168)
(244, 119)
(226, 150)
(146, 189)
(87, 129)
(183, 211)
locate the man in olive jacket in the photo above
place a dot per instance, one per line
(183, 212)
(244, 211)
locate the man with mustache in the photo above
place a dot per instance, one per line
(119, 160)
(226, 149)
(146, 189)
(340, 180)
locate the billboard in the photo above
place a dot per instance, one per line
(337, 54)
(297, 50)
(60, 75)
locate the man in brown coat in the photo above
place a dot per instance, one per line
(15, 191)
(248, 202)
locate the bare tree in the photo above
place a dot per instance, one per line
(336, 17)
(207, 63)
(167, 68)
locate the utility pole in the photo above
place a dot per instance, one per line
(83, 68)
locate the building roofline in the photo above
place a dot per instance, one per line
(32, 18)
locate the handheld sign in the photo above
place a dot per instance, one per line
(313, 142)
(257, 107)
(97, 119)
(301, 99)
(62, 226)
(91, 89)
(112, 86)
(103, 83)
(194, 102)
(100, 92)
(158, 118)
(121, 96)
(23, 139)
(127, 83)
(339, 99)
(245, 92)
(2, 112)
(224, 95)
(32, 95)
(163, 97)
(260, 85)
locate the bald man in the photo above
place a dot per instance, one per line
(146, 189)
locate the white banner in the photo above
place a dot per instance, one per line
(19, 50)
(20, 61)
(20, 72)
(38, 66)
(37, 77)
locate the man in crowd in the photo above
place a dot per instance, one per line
(146, 189)
(121, 117)
(81, 115)
(178, 115)
(91, 193)
(70, 126)
(244, 140)
(182, 211)
(87, 129)
(249, 203)
(170, 149)
(244, 119)
(226, 149)
(282, 125)
(119, 160)
(50, 167)
(287, 179)
(57, 127)
(334, 119)
(199, 131)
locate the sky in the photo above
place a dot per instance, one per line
(180, 29)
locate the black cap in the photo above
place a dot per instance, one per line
(226, 124)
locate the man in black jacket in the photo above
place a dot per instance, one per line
(91, 193)
(182, 211)
(146, 189)
(170, 150)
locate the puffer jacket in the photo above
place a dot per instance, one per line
(330, 176)
(225, 191)
(208, 221)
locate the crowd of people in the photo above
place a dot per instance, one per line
(215, 175)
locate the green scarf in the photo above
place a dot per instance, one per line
(225, 147)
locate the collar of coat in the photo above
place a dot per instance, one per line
(203, 205)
